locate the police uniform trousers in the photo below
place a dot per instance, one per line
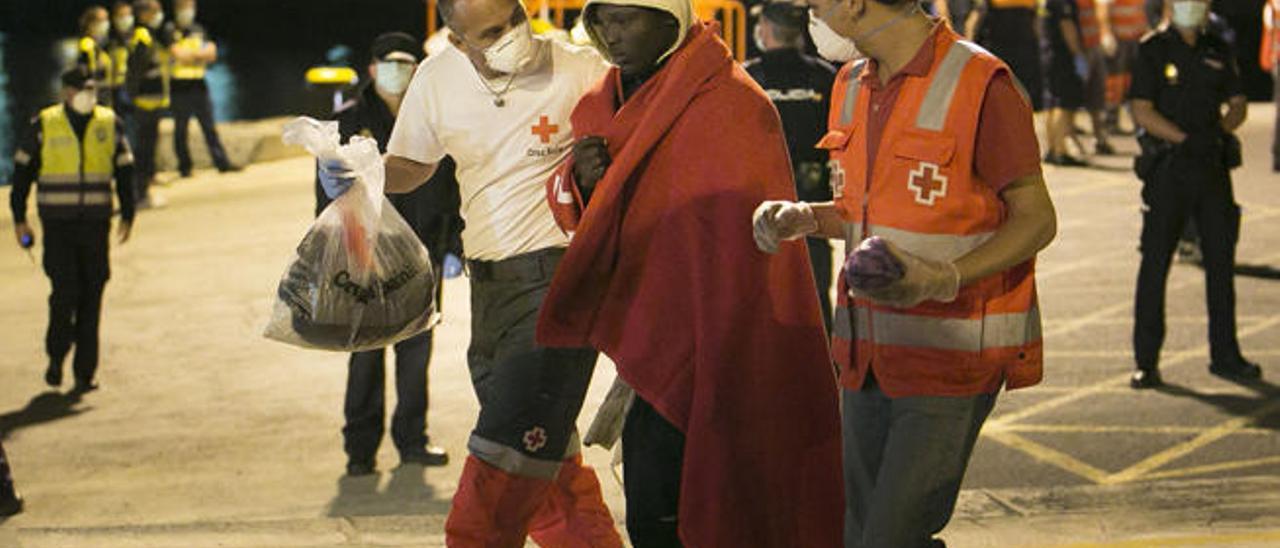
(76, 261)
(365, 403)
(904, 460)
(1183, 189)
(189, 101)
(147, 122)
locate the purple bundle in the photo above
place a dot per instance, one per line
(872, 265)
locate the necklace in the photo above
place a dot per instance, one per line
(499, 97)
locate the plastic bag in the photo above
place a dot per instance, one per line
(360, 279)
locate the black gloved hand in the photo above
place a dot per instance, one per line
(1202, 144)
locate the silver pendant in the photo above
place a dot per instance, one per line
(499, 102)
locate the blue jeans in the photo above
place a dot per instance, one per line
(904, 459)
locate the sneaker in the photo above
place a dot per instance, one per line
(1237, 370)
(10, 506)
(84, 387)
(430, 456)
(360, 468)
(230, 168)
(1145, 378)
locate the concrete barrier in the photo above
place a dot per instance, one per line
(246, 142)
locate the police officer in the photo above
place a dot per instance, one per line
(123, 35)
(1182, 78)
(432, 211)
(72, 151)
(10, 500)
(192, 53)
(147, 82)
(1008, 29)
(798, 84)
(91, 50)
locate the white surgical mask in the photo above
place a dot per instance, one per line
(393, 77)
(1188, 14)
(185, 16)
(512, 51)
(156, 20)
(831, 45)
(758, 36)
(99, 30)
(124, 23)
(84, 101)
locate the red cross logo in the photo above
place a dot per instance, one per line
(928, 183)
(545, 129)
(535, 439)
(837, 179)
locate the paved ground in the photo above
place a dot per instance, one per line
(204, 434)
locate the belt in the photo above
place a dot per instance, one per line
(535, 265)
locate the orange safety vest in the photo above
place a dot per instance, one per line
(1270, 35)
(1128, 19)
(1090, 30)
(1003, 4)
(922, 194)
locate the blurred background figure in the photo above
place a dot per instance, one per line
(192, 53)
(954, 12)
(1185, 74)
(91, 50)
(1089, 21)
(1068, 68)
(432, 211)
(1269, 59)
(72, 151)
(1126, 24)
(123, 35)
(147, 83)
(10, 500)
(1007, 28)
(799, 86)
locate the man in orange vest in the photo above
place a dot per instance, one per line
(1270, 60)
(933, 149)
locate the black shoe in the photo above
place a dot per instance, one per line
(230, 168)
(84, 387)
(1104, 148)
(358, 468)
(11, 505)
(1238, 370)
(184, 174)
(53, 375)
(430, 456)
(1145, 378)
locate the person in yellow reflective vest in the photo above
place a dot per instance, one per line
(192, 53)
(91, 49)
(123, 34)
(72, 152)
(147, 82)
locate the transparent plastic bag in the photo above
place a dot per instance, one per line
(360, 279)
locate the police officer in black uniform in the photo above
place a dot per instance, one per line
(432, 211)
(1182, 78)
(799, 85)
(73, 151)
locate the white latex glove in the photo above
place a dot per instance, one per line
(923, 280)
(776, 221)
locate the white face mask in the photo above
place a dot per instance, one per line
(512, 51)
(99, 30)
(185, 16)
(758, 36)
(393, 77)
(1189, 14)
(84, 101)
(156, 20)
(831, 45)
(124, 23)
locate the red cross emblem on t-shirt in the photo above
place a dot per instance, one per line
(928, 183)
(545, 129)
(535, 439)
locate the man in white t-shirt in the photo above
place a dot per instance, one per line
(498, 102)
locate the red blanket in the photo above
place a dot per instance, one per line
(662, 275)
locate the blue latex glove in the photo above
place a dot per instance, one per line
(1082, 67)
(452, 266)
(336, 177)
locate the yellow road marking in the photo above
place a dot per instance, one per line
(1100, 429)
(1051, 354)
(1049, 455)
(1196, 540)
(1207, 437)
(1209, 468)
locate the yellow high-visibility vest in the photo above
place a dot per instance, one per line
(189, 71)
(99, 62)
(75, 172)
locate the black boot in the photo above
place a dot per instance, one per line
(1145, 377)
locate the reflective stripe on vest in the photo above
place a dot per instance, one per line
(1090, 32)
(851, 93)
(1004, 4)
(189, 71)
(1128, 19)
(937, 101)
(958, 334)
(65, 161)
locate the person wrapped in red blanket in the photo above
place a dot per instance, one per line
(732, 439)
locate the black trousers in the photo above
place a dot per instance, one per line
(144, 152)
(652, 461)
(187, 103)
(7, 491)
(1182, 190)
(820, 259)
(76, 261)
(365, 401)
(529, 395)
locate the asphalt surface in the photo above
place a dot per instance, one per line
(205, 434)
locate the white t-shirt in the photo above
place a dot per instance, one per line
(504, 154)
